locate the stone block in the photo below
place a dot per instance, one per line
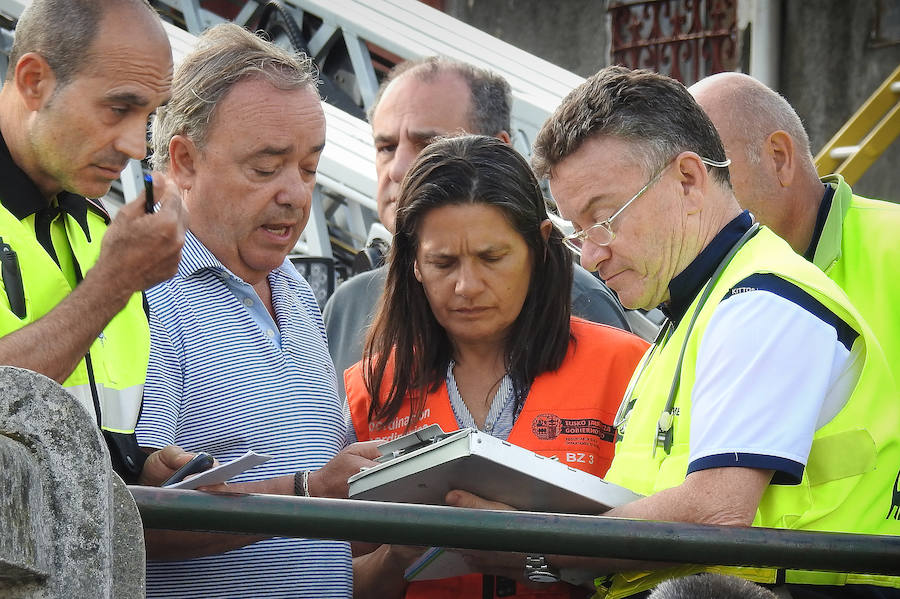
(68, 526)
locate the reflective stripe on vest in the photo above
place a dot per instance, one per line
(120, 407)
(852, 465)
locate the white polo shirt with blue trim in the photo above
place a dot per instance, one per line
(759, 396)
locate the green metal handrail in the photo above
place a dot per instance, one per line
(525, 532)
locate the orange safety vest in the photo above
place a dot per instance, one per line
(568, 414)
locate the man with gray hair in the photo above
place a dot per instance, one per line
(852, 238)
(238, 356)
(710, 586)
(764, 379)
(83, 78)
(418, 101)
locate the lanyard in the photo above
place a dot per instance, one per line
(664, 423)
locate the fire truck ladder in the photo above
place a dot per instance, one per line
(348, 33)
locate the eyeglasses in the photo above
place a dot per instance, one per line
(601, 233)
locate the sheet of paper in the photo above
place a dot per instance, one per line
(223, 472)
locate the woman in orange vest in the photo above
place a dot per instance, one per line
(474, 330)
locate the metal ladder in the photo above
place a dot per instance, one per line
(343, 207)
(344, 195)
(866, 135)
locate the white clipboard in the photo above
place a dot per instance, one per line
(423, 466)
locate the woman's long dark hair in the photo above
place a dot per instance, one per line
(469, 169)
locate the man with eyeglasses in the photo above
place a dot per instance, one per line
(766, 400)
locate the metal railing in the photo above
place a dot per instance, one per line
(685, 39)
(528, 532)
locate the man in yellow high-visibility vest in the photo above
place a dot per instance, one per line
(83, 78)
(766, 400)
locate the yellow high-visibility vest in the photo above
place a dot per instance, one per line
(849, 483)
(109, 380)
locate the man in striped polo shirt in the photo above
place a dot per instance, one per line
(238, 358)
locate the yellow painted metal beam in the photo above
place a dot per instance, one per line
(866, 135)
(871, 147)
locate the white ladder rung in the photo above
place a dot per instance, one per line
(842, 152)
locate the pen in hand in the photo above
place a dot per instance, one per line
(148, 193)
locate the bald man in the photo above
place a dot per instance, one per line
(853, 239)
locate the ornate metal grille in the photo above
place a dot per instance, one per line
(685, 39)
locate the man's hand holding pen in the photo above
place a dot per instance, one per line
(139, 249)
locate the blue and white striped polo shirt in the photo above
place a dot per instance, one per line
(218, 382)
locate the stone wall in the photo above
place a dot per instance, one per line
(68, 526)
(831, 65)
(573, 34)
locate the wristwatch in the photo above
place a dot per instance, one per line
(538, 570)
